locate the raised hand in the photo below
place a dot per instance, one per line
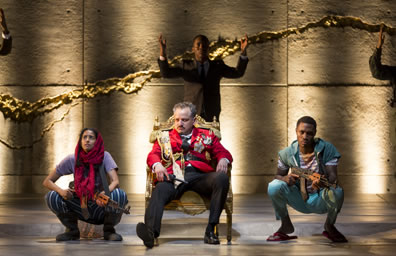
(381, 37)
(162, 43)
(244, 44)
(3, 23)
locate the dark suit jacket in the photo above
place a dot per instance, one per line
(203, 94)
(5, 45)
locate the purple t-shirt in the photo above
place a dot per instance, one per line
(66, 166)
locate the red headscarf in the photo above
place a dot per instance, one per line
(85, 186)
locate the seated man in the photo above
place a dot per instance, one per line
(184, 150)
(318, 157)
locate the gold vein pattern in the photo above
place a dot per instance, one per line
(25, 111)
(43, 132)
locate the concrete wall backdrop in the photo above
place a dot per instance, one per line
(59, 46)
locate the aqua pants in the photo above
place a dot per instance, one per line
(327, 200)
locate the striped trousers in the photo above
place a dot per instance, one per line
(96, 213)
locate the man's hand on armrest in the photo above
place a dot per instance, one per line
(160, 172)
(222, 165)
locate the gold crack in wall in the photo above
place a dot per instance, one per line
(43, 132)
(25, 111)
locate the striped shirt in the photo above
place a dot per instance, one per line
(311, 165)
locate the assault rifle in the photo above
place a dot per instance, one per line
(313, 176)
(106, 200)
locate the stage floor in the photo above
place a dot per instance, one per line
(27, 227)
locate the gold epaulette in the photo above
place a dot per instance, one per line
(154, 135)
(216, 133)
(213, 130)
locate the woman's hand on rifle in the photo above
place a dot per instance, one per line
(99, 201)
(66, 194)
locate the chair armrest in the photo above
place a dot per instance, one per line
(229, 205)
(149, 185)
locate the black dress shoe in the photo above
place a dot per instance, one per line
(211, 238)
(145, 234)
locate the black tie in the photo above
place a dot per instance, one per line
(202, 75)
(185, 145)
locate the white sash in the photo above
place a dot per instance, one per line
(166, 149)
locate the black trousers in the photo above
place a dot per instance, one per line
(213, 185)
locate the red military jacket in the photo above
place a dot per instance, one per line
(202, 141)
